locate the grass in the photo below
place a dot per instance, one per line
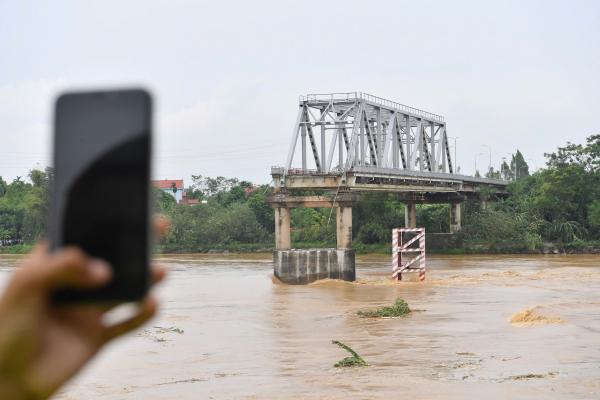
(354, 361)
(231, 248)
(399, 309)
(16, 249)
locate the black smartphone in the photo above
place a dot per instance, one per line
(101, 202)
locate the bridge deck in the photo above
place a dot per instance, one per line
(365, 179)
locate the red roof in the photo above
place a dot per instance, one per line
(188, 201)
(166, 184)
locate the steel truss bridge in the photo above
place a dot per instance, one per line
(359, 142)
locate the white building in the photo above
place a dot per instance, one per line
(167, 186)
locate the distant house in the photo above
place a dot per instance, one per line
(185, 200)
(167, 184)
(250, 190)
(189, 201)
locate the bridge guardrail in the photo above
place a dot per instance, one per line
(350, 96)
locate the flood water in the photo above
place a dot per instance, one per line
(247, 336)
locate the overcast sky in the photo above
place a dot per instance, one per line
(226, 75)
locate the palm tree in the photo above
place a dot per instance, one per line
(174, 188)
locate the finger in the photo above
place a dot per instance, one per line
(158, 274)
(147, 310)
(161, 225)
(69, 267)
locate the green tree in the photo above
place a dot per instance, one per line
(265, 215)
(213, 186)
(194, 194)
(493, 174)
(518, 165)
(506, 172)
(235, 195)
(3, 186)
(162, 202)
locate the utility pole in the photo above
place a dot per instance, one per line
(535, 163)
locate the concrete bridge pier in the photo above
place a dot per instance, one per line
(282, 228)
(344, 228)
(410, 216)
(299, 267)
(454, 217)
(454, 200)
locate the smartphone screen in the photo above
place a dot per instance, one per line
(102, 184)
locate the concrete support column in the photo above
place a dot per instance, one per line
(410, 216)
(454, 217)
(344, 227)
(282, 229)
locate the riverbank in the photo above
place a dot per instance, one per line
(467, 248)
(16, 249)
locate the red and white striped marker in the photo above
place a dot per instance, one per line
(398, 248)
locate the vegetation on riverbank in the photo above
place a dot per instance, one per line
(16, 249)
(556, 209)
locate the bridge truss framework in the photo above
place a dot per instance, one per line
(380, 145)
(369, 131)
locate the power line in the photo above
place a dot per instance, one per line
(49, 154)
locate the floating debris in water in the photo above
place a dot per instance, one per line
(183, 381)
(354, 361)
(531, 376)
(399, 309)
(156, 335)
(171, 329)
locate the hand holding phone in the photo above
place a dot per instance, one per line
(101, 201)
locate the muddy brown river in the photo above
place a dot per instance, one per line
(227, 329)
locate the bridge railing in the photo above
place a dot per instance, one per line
(400, 107)
(353, 96)
(350, 96)
(304, 172)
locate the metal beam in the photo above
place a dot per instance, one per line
(313, 144)
(419, 144)
(323, 145)
(304, 166)
(409, 152)
(354, 141)
(400, 145)
(433, 158)
(447, 148)
(331, 150)
(290, 157)
(379, 141)
(371, 139)
(439, 153)
(389, 139)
